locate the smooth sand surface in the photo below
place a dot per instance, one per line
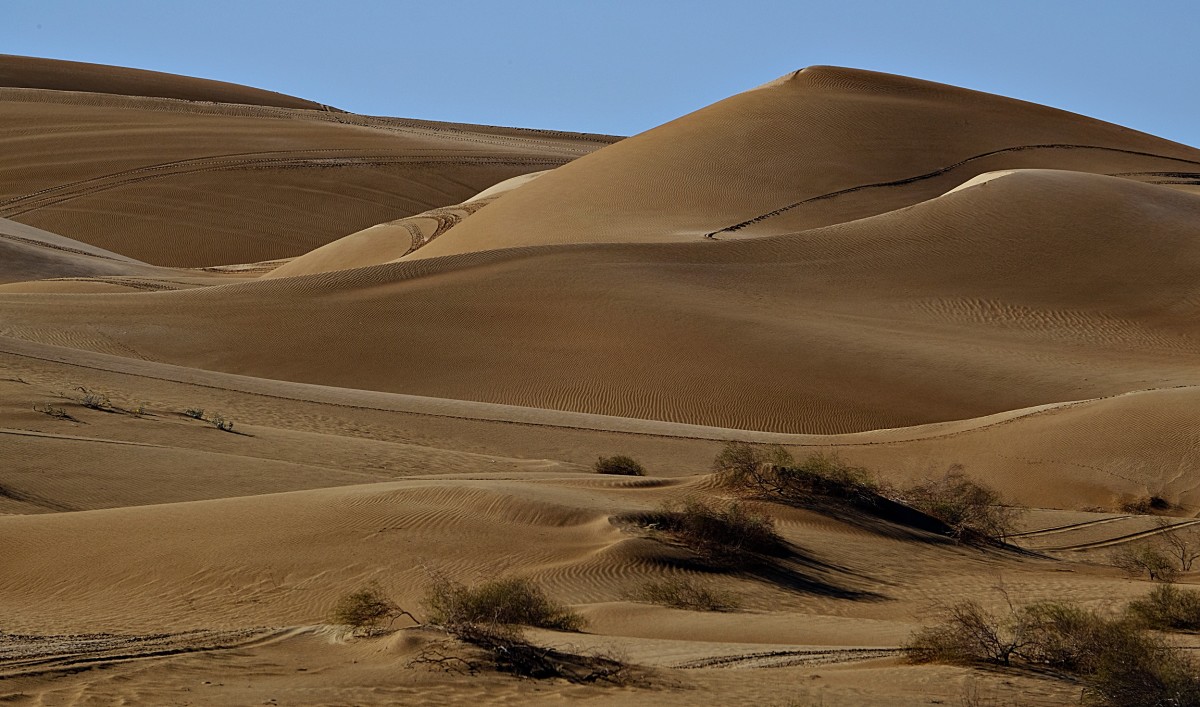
(425, 334)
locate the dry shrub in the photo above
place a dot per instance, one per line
(504, 602)
(681, 593)
(505, 650)
(972, 511)
(729, 533)
(1168, 608)
(1145, 505)
(367, 608)
(1117, 660)
(620, 465)
(772, 474)
(93, 399)
(1142, 559)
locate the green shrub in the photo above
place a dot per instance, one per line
(620, 465)
(509, 601)
(729, 533)
(1168, 608)
(222, 423)
(682, 593)
(970, 509)
(194, 413)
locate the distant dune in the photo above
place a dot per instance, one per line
(256, 353)
(57, 75)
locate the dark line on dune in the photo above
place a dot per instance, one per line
(937, 173)
(65, 249)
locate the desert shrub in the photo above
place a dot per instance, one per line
(366, 608)
(772, 474)
(53, 411)
(738, 462)
(1181, 543)
(729, 533)
(92, 399)
(222, 423)
(194, 413)
(508, 601)
(1132, 668)
(505, 650)
(969, 634)
(683, 593)
(1145, 505)
(970, 509)
(1142, 559)
(1168, 608)
(620, 465)
(1116, 659)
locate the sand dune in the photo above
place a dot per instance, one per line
(192, 184)
(820, 146)
(28, 253)
(901, 319)
(388, 242)
(57, 75)
(424, 334)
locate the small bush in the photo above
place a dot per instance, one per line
(969, 634)
(738, 462)
(93, 399)
(510, 601)
(366, 608)
(194, 413)
(53, 411)
(1142, 559)
(1119, 663)
(221, 423)
(1145, 505)
(1182, 544)
(970, 509)
(772, 474)
(686, 594)
(620, 465)
(729, 534)
(1168, 608)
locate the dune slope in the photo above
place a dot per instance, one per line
(819, 146)
(1063, 285)
(185, 183)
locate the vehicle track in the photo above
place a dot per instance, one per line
(1120, 539)
(787, 658)
(74, 190)
(1068, 527)
(23, 656)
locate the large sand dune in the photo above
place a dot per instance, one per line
(424, 335)
(820, 146)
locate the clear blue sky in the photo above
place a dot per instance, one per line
(623, 66)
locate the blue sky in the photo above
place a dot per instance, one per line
(626, 65)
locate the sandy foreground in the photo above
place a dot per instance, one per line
(425, 334)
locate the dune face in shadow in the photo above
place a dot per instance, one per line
(257, 354)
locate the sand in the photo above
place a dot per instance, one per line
(424, 335)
